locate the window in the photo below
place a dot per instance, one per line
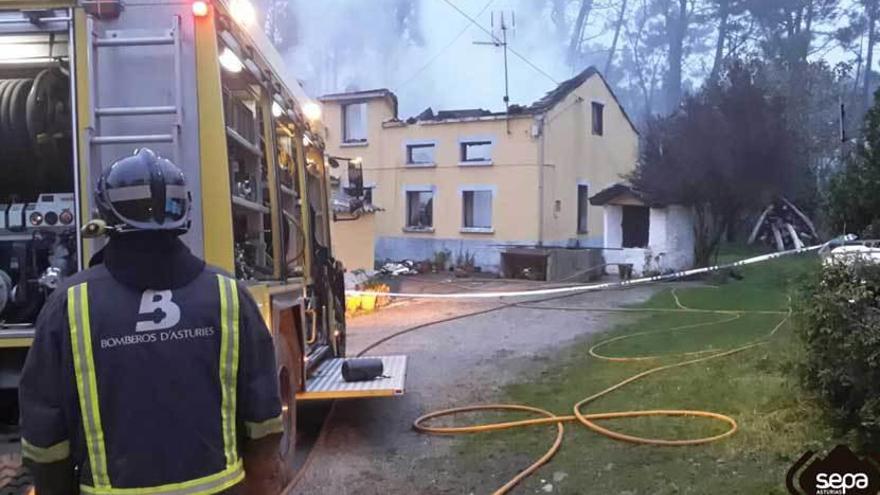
(420, 154)
(354, 123)
(476, 151)
(476, 210)
(598, 119)
(583, 201)
(419, 210)
(635, 225)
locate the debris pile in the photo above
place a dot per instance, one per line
(405, 267)
(783, 226)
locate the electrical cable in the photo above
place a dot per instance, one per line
(442, 50)
(495, 38)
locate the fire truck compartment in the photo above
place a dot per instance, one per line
(38, 207)
(327, 383)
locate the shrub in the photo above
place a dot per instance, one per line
(838, 320)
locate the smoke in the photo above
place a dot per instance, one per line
(424, 51)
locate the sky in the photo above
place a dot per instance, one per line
(447, 71)
(348, 45)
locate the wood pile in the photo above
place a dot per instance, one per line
(783, 226)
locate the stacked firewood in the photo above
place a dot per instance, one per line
(783, 226)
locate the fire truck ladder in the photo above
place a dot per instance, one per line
(170, 37)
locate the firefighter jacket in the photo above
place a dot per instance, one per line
(147, 373)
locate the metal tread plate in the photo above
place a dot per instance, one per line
(327, 382)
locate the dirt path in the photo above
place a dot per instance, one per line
(369, 446)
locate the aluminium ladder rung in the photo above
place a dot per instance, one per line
(41, 20)
(144, 138)
(131, 111)
(139, 41)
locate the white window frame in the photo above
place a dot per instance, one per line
(417, 142)
(493, 190)
(419, 188)
(344, 141)
(462, 141)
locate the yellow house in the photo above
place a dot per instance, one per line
(475, 182)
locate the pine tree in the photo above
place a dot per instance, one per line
(853, 199)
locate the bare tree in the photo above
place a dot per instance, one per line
(618, 26)
(577, 33)
(677, 16)
(871, 12)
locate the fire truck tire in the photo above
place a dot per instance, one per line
(289, 359)
(14, 477)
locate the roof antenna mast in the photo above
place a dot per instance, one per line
(499, 39)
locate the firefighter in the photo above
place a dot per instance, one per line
(150, 372)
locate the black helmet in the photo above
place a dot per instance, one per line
(143, 192)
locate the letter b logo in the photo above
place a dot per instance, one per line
(162, 311)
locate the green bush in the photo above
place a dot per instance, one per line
(838, 319)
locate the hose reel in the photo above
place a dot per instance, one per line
(35, 131)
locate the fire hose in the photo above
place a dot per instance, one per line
(589, 420)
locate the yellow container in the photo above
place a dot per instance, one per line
(368, 302)
(352, 303)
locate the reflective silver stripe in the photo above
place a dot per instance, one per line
(84, 366)
(261, 429)
(132, 193)
(175, 192)
(129, 193)
(45, 455)
(214, 483)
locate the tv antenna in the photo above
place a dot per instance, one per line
(499, 40)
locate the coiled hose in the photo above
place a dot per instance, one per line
(589, 420)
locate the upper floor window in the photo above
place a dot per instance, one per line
(477, 151)
(598, 119)
(420, 153)
(354, 123)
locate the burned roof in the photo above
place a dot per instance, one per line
(547, 102)
(557, 94)
(605, 196)
(356, 96)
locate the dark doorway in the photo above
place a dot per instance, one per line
(636, 221)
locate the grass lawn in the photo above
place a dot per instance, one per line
(757, 388)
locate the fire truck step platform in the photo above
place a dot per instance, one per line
(327, 383)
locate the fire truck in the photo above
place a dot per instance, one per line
(83, 83)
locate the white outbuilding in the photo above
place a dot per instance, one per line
(651, 237)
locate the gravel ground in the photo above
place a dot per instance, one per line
(369, 446)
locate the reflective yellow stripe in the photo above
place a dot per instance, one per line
(203, 486)
(45, 455)
(87, 388)
(260, 430)
(228, 364)
(86, 383)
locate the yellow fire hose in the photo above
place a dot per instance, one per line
(589, 420)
